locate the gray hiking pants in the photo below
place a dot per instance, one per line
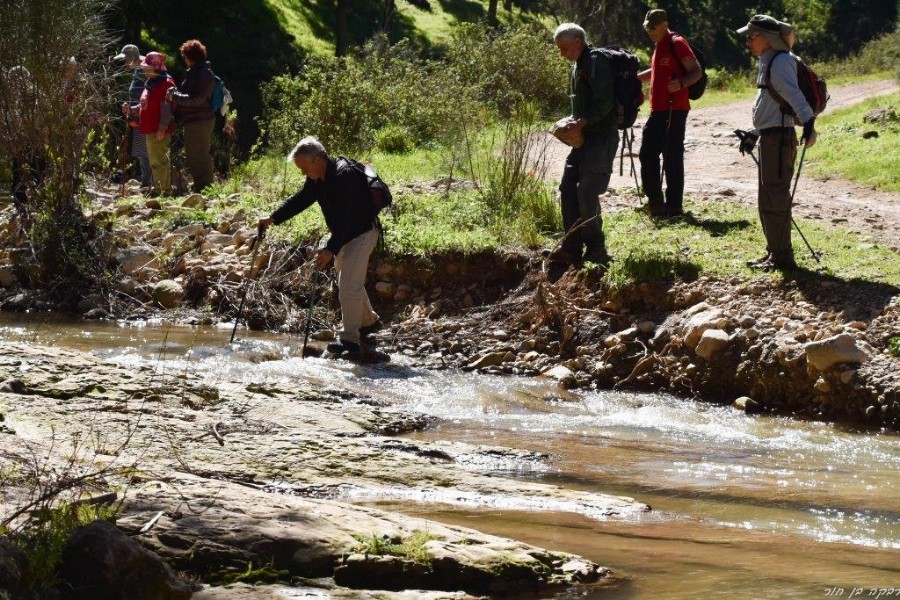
(777, 152)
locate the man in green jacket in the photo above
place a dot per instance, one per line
(589, 166)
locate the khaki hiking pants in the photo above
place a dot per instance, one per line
(160, 163)
(351, 264)
(777, 152)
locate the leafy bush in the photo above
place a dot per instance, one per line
(511, 66)
(394, 139)
(730, 81)
(345, 101)
(386, 97)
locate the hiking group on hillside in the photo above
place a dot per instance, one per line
(157, 105)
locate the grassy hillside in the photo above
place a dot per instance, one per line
(251, 41)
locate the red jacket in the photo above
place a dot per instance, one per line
(156, 111)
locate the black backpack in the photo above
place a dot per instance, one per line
(696, 89)
(813, 87)
(626, 85)
(379, 192)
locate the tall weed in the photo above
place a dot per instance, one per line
(508, 165)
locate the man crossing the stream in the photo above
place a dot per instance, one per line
(343, 195)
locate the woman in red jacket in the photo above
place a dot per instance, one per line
(156, 120)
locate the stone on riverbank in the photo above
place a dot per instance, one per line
(842, 348)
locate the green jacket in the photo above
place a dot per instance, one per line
(592, 94)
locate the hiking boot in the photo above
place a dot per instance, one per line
(341, 347)
(563, 257)
(598, 257)
(371, 329)
(758, 261)
(770, 264)
(784, 264)
(656, 207)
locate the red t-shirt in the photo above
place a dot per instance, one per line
(663, 68)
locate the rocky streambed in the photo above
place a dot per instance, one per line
(230, 482)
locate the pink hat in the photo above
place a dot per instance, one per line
(156, 60)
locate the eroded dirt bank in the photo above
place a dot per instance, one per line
(813, 347)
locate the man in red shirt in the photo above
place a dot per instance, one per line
(672, 69)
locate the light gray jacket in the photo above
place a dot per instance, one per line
(766, 110)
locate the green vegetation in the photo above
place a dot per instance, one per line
(861, 151)
(266, 574)
(894, 346)
(411, 548)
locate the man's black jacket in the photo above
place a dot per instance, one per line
(343, 195)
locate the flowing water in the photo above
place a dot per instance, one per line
(743, 506)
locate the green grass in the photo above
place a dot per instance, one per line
(842, 150)
(720, 237)
(411, 548)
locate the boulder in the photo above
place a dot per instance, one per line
(194, 201)
(191, 230)
(101, 562)
(711, 342)
(16, 573)
(700, 321)
(168, 293)
(842, 348)
(386, 290)
(8, 277)
(135, 259)
(491, 359)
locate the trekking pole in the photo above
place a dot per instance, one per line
(815, 254)
(256, 244)
(637, 186)
(312, 302)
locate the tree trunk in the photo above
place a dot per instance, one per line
(390, 8)
(340, 31)
(492, 13)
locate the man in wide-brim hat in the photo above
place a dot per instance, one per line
(777, 139)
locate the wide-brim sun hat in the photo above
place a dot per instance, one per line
(129, 53)
(769, 27)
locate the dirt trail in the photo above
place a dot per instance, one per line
(714, 168)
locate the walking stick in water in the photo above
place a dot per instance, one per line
(256, 244)
(312, 302)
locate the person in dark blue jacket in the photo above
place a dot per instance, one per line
(343, 195)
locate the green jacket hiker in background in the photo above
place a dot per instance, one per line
(588, 167)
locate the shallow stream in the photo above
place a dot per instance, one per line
(743, 506)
